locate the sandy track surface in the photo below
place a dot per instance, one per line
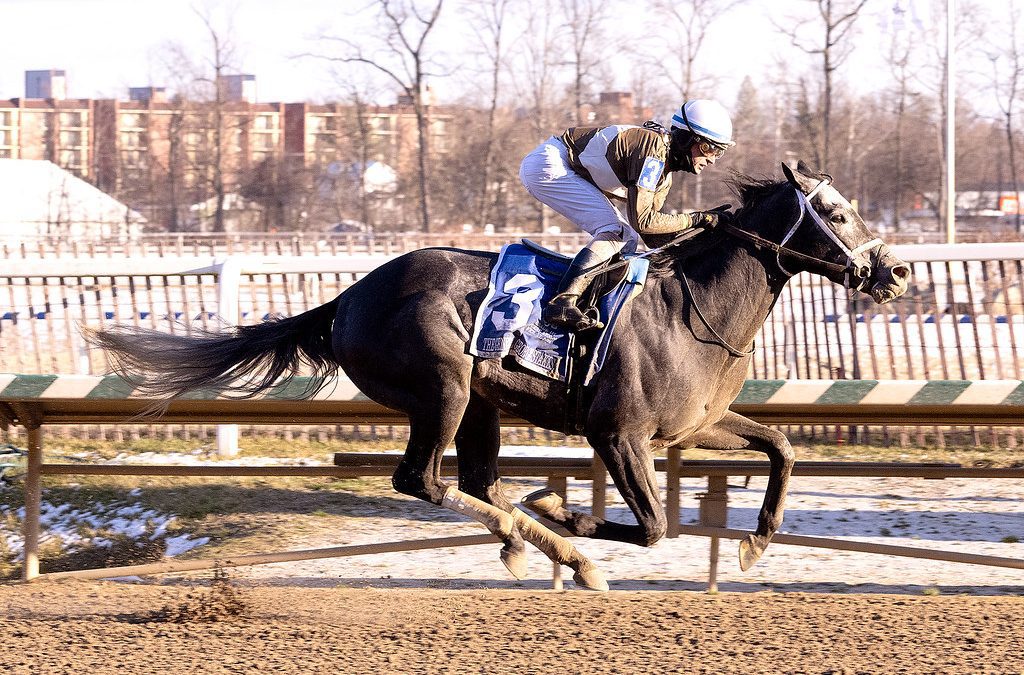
(109, 627)
(458, 611)
(959, 515)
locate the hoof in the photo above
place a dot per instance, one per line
(514, 561)
(591, 579)
(543, 502)
(750, 552)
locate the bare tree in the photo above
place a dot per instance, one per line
(535, 78)
(402, 56)
(489, 21)
(584, 25)
(220, 55)
(1007, 74)
(755, 126)
(899, 56)
(204, 127)
(684, 28)
(837, 19)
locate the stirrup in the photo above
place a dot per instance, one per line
(563, 313)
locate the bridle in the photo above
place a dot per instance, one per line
(852, 272)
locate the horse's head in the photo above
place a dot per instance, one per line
(825, 235)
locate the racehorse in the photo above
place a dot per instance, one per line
(678, 357)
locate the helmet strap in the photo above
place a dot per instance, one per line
(680, 157)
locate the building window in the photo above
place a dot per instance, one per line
(131, 121)
(5, 137)
(321, 123)
(132, 139)
(325, 140)
(264, 123)
(263, 142)
(132, 158)
(379, 123)
(71, 119)
(71, 158)
(5, 118)
(70, 138)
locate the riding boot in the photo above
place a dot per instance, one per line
(562, 310)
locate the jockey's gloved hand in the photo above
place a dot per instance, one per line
(713, 218)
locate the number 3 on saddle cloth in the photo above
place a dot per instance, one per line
(508, 323)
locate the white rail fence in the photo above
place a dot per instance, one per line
(964, 317)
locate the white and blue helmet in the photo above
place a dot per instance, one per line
(707, 119)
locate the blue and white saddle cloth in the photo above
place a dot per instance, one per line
(508, 323)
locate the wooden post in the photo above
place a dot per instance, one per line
(672, 512)
(558, 484)
(714, 513)
(33, 500)
(600, 483)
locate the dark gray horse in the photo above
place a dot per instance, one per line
(678, 358)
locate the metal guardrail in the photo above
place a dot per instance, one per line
(24, 401)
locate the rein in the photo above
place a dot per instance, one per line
(850, 270)
(718, 338)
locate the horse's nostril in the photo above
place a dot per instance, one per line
(901, 272)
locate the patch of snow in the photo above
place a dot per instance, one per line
(98, 525)
(179, 545)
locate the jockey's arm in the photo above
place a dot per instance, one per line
(643, 207)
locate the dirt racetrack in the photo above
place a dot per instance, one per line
(110, 627)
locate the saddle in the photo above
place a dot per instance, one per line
(508, 324)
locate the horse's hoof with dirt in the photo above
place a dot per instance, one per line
(514, 559)
(751, 548)
(545, 502)
(590, 578)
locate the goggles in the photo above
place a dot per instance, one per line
(709, 149)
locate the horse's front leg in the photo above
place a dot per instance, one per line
(631, 466)
(735, 432)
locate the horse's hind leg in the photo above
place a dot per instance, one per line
(632, 469)
(431, 430)
(478, 441)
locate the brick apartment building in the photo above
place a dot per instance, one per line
(108, 141)
(126, 147)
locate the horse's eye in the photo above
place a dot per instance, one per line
(838, 218)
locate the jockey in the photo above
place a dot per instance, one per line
(612, 182)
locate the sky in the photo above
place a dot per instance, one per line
(106, 46)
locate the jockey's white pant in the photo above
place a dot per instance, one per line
(547, 176)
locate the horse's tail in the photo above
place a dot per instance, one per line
(244, 360)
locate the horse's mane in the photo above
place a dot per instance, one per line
(751, 192)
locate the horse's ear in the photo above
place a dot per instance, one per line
(803, 168)
(789, 175)
(799, 178)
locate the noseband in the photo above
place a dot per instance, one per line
(851, 271)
